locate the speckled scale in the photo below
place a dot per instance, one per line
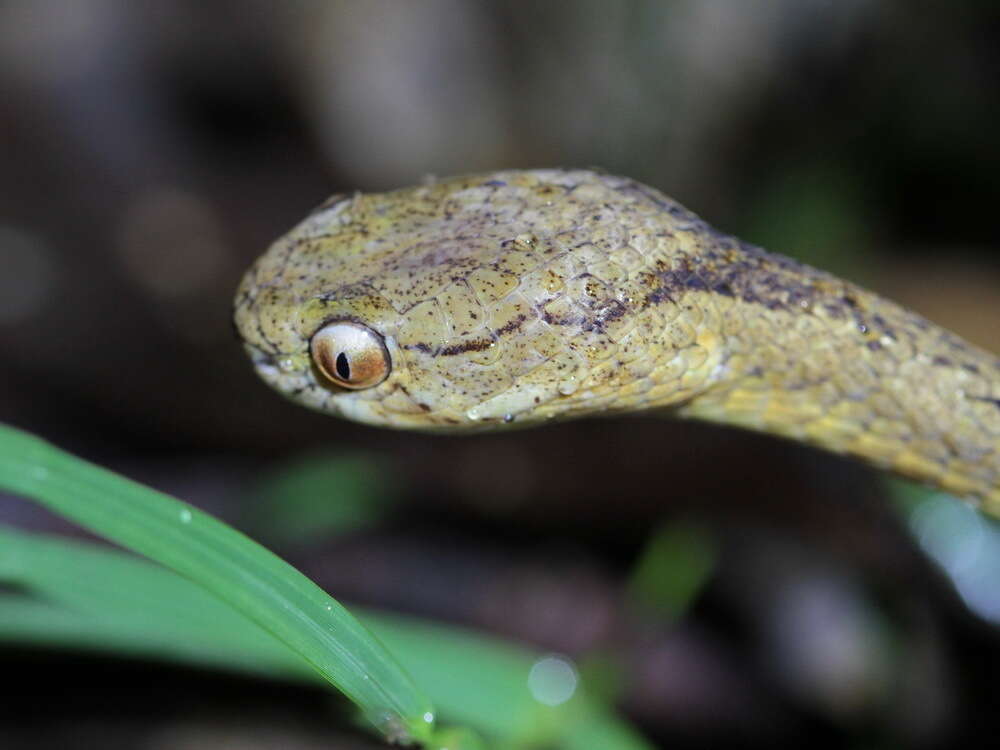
(517, 297)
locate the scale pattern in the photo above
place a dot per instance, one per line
(516, 297)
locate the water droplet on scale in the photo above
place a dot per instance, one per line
(569, 386)
(286, 364)
(185, 515)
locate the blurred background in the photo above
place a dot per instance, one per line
(721, 587)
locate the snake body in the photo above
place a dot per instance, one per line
(518, 297)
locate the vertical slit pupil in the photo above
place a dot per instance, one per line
(343, 367)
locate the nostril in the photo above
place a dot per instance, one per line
(259, 356)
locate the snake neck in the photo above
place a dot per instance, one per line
(817, 359)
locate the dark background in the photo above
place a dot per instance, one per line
(150, 151)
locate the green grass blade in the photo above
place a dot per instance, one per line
(141, 608)
(46, 624)
(93, 593)
(226, 563)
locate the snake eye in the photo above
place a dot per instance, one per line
(350, 355)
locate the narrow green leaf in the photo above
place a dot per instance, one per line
(50, 625)
(141, 608)
(226, 563)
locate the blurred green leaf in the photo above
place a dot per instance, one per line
(963, 542)
(315, 496)
(907, 495)
(814, 212)
(675, 565)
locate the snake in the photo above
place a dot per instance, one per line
(521, 297)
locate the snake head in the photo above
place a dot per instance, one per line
(470, 302)
(515, 297)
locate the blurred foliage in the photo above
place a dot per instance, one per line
(676, 563)
(814, 212)
(75, 595)
(318, 496)
(509, 693)
(962, 541)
